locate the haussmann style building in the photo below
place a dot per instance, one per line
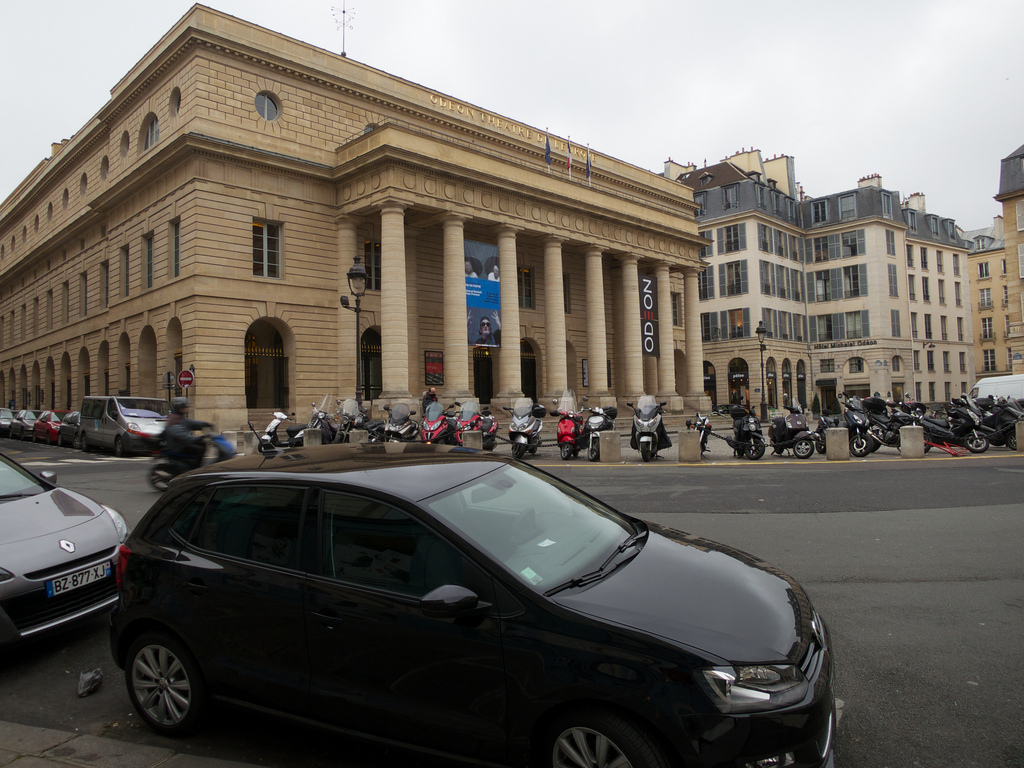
(208, 215)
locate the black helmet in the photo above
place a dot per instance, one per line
(179, 405)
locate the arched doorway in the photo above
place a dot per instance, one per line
(739, 382)
(528, 369)
(710, 383)
(801, 383)
(65, 377)
(787, 382)
(266, 367)
(370, 359)
(84, 372)
(148, 379)
(483, 374)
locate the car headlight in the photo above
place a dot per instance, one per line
(119, 524)
(753, 688)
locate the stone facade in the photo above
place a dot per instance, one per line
(208, 215)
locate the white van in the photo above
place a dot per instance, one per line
(1000, 386)
(124, 424)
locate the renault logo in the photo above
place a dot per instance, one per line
(67, 546)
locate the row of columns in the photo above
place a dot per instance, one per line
(395, 314)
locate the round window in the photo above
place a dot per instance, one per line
(267, 107)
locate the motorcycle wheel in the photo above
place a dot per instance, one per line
(518, 450)
(159, 476)
(977, 443)
(754, 450)
(819, 444)
(533, 450)
(860, 446)
(1011, 441)
(803, 449)
(594, 451)
(566, 450)
(646, 452)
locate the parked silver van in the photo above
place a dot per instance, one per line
(124, 424)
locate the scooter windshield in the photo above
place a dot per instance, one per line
(350, 408)
(469, 409)
(399, 413)
(522, 407)
(647, 406)
(567, 402)
(433, 412)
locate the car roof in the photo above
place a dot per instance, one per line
(411, 471)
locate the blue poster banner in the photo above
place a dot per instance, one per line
(483, 295)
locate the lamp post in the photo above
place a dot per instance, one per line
(762, 332)
(357, 287)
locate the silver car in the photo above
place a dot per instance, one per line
(58, 552)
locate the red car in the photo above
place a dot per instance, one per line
(47, 426)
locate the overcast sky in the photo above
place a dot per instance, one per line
(927, 93)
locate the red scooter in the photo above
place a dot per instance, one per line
(471, 419)
(569, 432)
(439, 425)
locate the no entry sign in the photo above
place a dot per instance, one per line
(186, 379)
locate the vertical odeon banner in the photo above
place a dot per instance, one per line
(649, 315)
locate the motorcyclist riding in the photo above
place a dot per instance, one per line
(178, 435)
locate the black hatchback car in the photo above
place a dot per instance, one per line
(465, 603)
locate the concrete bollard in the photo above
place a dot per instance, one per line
(358, 436)
(609, 445)
(312, 437)
(689, 446)
(473, 439)
(912, 442)
(250, 443)
(837, 444)
(1020, 435)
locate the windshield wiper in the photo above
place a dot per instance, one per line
(601, 571)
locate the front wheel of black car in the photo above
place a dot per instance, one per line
(165, 684)
(600, 739)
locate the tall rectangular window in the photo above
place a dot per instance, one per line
(819, 211)
(890, 242)
(371, 261)
(847, 207)
(105, 284)
(525, 288)
(65, 304)
(83, 294)
(175, 249)
(125, 267)
(566, 293)
(147, 256)
(677, 309)
(894, 289)
(894, 320)
(730, 196)
(266, 249)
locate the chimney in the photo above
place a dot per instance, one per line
(874, 180)
(916, 202)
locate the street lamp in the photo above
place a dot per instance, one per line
(357, 287)
(762, 332)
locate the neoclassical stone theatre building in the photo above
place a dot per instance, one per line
(207, 216)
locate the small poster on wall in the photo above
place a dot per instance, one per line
(433, 368)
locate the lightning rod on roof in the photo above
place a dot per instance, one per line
(343, 18)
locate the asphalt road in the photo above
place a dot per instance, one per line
(915, 564)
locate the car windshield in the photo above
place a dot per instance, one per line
(143, 408)
(544, 532)
(15, 481)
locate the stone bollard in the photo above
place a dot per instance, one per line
(689, 446)
(912, 442)
(1020, 435)
(358, 436)
(312, 437)
(250, 443)
(473, 439)
(609, 446)
(837, 444)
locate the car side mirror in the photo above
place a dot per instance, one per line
(48, 476)
(449, 601)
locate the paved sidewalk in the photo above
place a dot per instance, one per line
(22, 746)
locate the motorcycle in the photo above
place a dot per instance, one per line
(600, 420)
(471, 419)
(791, 433)
(648, 435)
(857, 422)
(570, 425)
(953, 434)
(827, 420)
(886, 420)
(167, 464)
(319, 420)
(439, 424)
(350, 418)
(747, 437)
(998, 419)
(525, 426)
(399, 427)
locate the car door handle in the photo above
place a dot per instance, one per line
(329, 621)
(196, 587)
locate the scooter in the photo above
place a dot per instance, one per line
(887, 418)
(857, 422)
(321, 421)
(439, 424)
(600, 420)
(269, 441)
(998, 419)
(960, 431)
(570, 425)
(649, 434)
(168, 465)
(350, 418)
(525, 427)
(399, 426)
(791, 433)
(826, 421)
(747, 437)
(471, 419)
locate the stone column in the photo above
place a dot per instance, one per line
(394, 315)
(415, 353)
(695, 399)
(632, 349)
(348, 334)
(666, 341)
(510, 372)
(597, 333)
(555, 376)
(456, 334)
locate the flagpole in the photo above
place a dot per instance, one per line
(588, 166)
(547, 149)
